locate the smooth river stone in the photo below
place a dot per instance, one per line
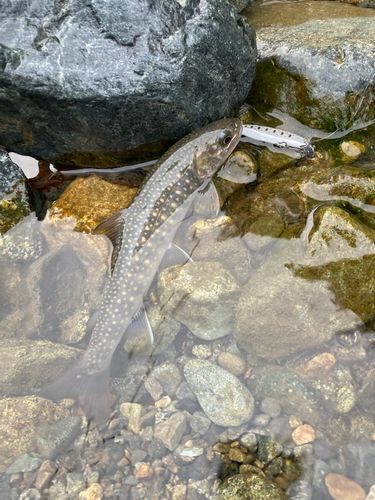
(223, 398)
(342, 488)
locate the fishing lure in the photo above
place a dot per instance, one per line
(282, 139)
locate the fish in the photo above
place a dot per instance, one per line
(142, 236)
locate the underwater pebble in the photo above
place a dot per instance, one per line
(250, 441)
(171, 430)
(371, 493)
(237, 455)
(94, 492)
(154, 388)
(268, 449)
(303, 434)
(144, 471)
(133, 412)
(250, 486)
(75, 483)
(202, 351)
(223, 398)
(261, 420)
(232, 363)
(352, 148)
(319, 365)
(342, 488)
(169, 376)
(24, 463)
(271, 407)
(52, 440)
(30, 494)
(200, 423)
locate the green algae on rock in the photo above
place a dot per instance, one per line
(302, 72)
(250, 487)
(14, 194)
(201, 295)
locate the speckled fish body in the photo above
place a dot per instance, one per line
(141, 235)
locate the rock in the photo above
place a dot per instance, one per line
(144, 471)
(342, 488)
(268, 449)
(154, 388)
(217, 240)
(232, 363)
(300, 490)
(341, 249)
(164, 329)
(56, 438)
(277, 290)
(202, 351)
(184, 392)
(45, 474)
(319, 365)
(272, 162)
(321, 470)
(30, 494)
(322, 94)
(250, 441)
(263, 231)
(75, 483)
(371, 493)
(223, 398)
(281, 429)
(20, 419)
(200, 423)
(156, 450)
(24, 463)
(240, 168)
(261, 420)
(250, 486)
(26, 365)
(14, 194)
(201, 295)
(352, 149)
(240, 6)
(169, 376)
(171, 431)
(133, 412)
(92, 200)
(337, 387)
(303, 434)
(271, 407)
(94, 492)
(296, 396)
(151, 85)
(237, 455)
(360, 462)
(24, 242)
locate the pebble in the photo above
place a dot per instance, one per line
(24, 463)
(371, 493)
(268, 449)
(303, 434)
(75, 483)
(352, 148)
(202, 351)
(94, 492)
(154, 388)
(45, 474)
(55, 438)
(271, 407)
(144, 470)
(232, 363)
(169, 376)
(133, 412)
(261, 420)
(200, 423)
(319, 365)
(223, 398)
(250, 441)
(237, 455)
(163, 402)
(342, 488)
(295, 421)
(30, 494)
(171, 430)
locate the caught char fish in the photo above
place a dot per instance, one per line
(141, 236)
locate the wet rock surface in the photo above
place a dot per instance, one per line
(14, 194)
(149, 71)
(343, 50)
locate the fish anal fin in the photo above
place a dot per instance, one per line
(174, 256)
(90, 391)
(111, 227)
(140, 325)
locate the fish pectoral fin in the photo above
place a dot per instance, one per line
(140, 325)
(207, 202)
(174, 256)
(111, 227)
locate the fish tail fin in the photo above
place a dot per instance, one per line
(90, 391)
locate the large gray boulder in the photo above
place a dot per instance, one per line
(86, 83)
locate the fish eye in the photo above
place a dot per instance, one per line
(225, 137)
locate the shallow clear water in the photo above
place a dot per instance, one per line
(263, 354)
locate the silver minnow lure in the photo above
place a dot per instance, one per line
(266, 136)
(141, 236)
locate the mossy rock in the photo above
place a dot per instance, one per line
(250, 487)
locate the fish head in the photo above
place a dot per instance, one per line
(214, 145)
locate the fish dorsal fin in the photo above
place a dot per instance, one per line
(111, 226)
(174, 256)
(207, 203)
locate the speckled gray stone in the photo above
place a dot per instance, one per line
(24, 463)
(223, 398)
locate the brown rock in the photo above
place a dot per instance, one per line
(342, 488)
(20, 419)
(171, 431)
(45, 474)
(91, 200)
(95, 492)
(232, 363)
(144, 471)
(237, 455)
(319, 365)
(303, 434)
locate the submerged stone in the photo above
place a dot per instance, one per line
(201, 295)
(91, 200)
(24, 242)
(223, 398)
(20, 419)
(14, 194)
(250, 487)
(55, 439)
